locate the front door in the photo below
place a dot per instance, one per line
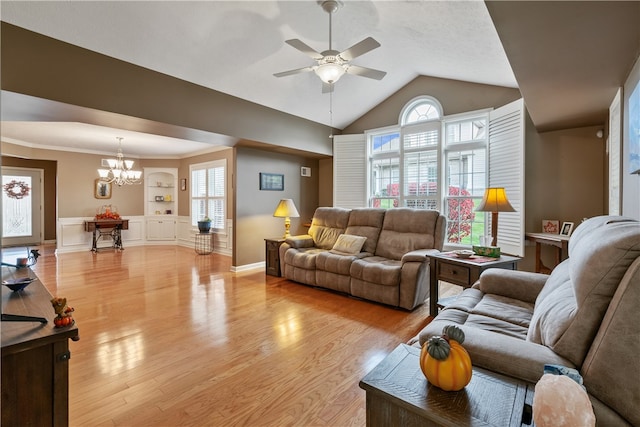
(22, 201)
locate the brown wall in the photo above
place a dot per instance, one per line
(46, 68)
(455, 96)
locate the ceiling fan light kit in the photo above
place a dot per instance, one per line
(332, 64)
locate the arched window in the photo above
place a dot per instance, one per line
(420, 109)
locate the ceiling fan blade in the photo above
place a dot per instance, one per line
(359, 48)
(327, 87)
(291, 72)
(304, 48)
(366, 72)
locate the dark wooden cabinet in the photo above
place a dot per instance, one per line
(35, 358)
(272, 256)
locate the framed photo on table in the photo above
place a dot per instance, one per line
(567, 228)
(102, 190)
(550, 226)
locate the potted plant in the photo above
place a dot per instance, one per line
(204, 225)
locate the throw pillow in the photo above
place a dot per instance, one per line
(348, 244)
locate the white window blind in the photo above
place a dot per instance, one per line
(506, 169)
(615, 130)
(208, 198)
(350, 171)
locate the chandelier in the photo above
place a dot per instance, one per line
(120, 171)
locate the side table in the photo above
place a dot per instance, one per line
(561, 243)
(448, 267)
(204, 243)
(397, 393)
(272, 256)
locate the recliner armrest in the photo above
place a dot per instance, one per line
(521, 285)
(419, 255)
(300, 241)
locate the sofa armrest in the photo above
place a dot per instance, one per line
(419, 255)
(300, 241)
(520, 285)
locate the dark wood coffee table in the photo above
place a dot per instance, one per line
(399, 394)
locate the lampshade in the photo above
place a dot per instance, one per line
(286, 209)
(495, 200)
(330, 72)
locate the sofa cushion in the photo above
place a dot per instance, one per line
(327, 225)
(366, 222)
(302, 258)
(334, 263)
(376, 269)
(405, 230)
(348, 244)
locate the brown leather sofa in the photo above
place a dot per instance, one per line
(390, 267)
(584, 315)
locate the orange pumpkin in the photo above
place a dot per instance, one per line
(445, 363)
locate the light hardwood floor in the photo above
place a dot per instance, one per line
(172, 338)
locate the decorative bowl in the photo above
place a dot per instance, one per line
(17, 284)
(463, 253)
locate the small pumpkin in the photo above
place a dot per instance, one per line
(452, 332)
(445, 363)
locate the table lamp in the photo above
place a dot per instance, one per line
(494, 201)
(286, 209)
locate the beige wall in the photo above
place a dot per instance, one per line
(564, 180)
(254, 220)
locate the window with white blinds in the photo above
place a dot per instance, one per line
(415, 165)
(506, 169)
(208, 193)
(614, 144)
(349, 171)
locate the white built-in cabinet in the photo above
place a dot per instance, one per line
(161, 203)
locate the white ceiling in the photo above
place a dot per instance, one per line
(235, 47)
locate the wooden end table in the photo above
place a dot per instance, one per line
(397, 393)
(561, 244)
(463, 272)
(272, 256)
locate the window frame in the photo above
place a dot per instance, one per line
(218, 225)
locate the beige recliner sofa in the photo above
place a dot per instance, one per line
(391, 265)
(584, 315)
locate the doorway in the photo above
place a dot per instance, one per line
(22, 201)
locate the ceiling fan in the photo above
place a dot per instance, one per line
(331, 64)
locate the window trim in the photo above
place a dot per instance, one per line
(206, 166)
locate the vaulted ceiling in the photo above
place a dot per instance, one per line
(568, 58)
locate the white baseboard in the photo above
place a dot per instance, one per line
(248, 267)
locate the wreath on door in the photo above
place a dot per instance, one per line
(16, 189)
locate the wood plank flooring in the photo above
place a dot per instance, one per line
(172, 338)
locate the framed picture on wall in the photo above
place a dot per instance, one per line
(271, 181)
(183, 184)
(102, 190)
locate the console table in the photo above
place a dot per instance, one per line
(561, 243)
(102, 228)
(397, 393)
(462, 272)
(35, 357)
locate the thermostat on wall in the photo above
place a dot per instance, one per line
(304, 171)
